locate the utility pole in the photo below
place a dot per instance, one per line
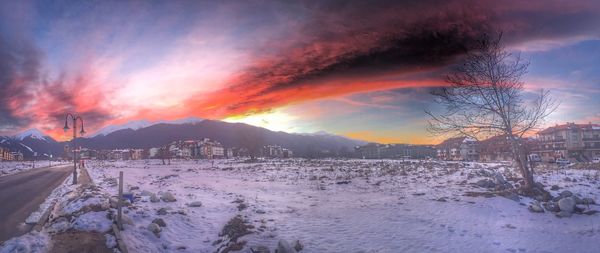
(82, 132)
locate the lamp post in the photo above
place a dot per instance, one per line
(82, 132)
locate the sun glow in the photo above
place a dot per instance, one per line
(274, 120)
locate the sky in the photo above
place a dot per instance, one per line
(361, 69)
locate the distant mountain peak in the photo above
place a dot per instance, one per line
(139, 124)
(33, 133)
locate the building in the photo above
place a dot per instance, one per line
(495, 149)
(136, 154)
(394, 151)
(211, 149)
(287, 153)
(16, 156)
(5, 154)
(229, 152)
(579, 142)
(153, 152)
(458, 149)
(87, 154)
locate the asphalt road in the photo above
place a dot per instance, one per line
(22, 193)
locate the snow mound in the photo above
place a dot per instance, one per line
(93, 221)
(32, 242)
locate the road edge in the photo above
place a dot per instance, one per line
(85, 177)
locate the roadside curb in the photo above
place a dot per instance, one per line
(42, 221)
(120, 241)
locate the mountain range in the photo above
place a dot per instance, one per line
(145, 134)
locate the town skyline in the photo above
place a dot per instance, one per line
(348, 69)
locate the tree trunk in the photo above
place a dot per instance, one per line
(520, 157)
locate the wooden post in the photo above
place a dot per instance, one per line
(120, 202)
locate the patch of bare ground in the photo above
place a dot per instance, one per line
(232, 231)
(78, 242)
(73, 241)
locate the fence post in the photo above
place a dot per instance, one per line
(120, 202)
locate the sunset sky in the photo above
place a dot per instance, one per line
(361, 69)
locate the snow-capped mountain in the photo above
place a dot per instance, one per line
(33, 144)
(139, 124)
(33, 133)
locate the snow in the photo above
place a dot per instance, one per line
(138, 124)
(344, 206)
(33, 133)
(78, 204)
(93, 221)
(12, 167)
(27, 147)
(32, 242)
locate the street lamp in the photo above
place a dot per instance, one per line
(82, 132)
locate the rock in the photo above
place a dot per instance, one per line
(126, 219)
(154, 198)
(580, 208)
(566, 204)
(195, 204)
(284, 247)
(535, 208)
(590, 212)
(298, 246)
(168, 197)
(578, 200)
(500, 179)
(162, 211)
(259, 249)
(160, 222)
(588, 201)
(511, 195)
(154, 228)
(486, 183)
(146, 193)
(538, 185)
(260, 211)
(134, 188)
(565, 194)
(551, 206)
(554, 188)
(113, 202)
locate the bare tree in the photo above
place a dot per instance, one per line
(165, 154)
(485, 97)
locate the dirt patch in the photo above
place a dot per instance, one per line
(232, 231)
(79, 241)
(84, 178)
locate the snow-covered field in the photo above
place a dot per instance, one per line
(344, 206)
(11, 167)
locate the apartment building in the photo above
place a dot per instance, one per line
(579, 142)
(458, 149)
